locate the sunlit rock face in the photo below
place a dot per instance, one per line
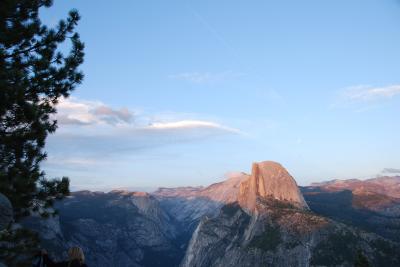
(257, 219)
(189, 204)
(385, 185)
(372, 204)
(269, 180)
(271, 225)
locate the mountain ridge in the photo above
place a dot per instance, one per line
(184, 225)
(267, 228)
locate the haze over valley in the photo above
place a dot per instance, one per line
(207, 133)
(252, 219)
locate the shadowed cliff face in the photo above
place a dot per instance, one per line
(282, 235)
(189, 204)
(271, 225)
(114, 229)
(368, 205)
(385, 185)
(269, 180)
(379, 195)
(247, 220)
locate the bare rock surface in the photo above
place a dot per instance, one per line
(269, 180)
(282, 235)
(259, 219)
(119, 228)
(189, 204)
(272, 225)
(385, 185)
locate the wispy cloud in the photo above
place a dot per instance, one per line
(82, 112)
(75, 113)
(391, 170)
(364, 98)
(190, 124)
(91, 130)
(205, 77)
(370, 93)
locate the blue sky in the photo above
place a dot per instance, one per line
(181, 92)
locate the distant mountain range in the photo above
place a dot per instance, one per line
(372, 205)
(257, 219)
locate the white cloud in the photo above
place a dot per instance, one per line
(92, 130)
(370, 93)
(190, 124)
(205, 77)
(75, 113)
(72, 111)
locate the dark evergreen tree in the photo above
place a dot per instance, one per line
(34, 75)
(361, 260)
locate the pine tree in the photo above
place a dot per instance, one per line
(34, 75)
(361, 260)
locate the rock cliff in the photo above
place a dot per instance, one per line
(259, 219)
(189, 204)
(269, 180)
(119, 228)
(372, 204)
(282, 236)
(271, 225)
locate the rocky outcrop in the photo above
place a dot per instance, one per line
(269, 180)
(271, 225)
(259, 219)
(367, 204)
(119, 228)
(282, 235)
(385, 185)
(379, 195)
(189, 204)
(6, 212)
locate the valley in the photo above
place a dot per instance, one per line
(257, 219)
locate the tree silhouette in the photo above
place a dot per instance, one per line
(34, 75)
(361, 260)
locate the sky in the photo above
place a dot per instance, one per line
(180, 93)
